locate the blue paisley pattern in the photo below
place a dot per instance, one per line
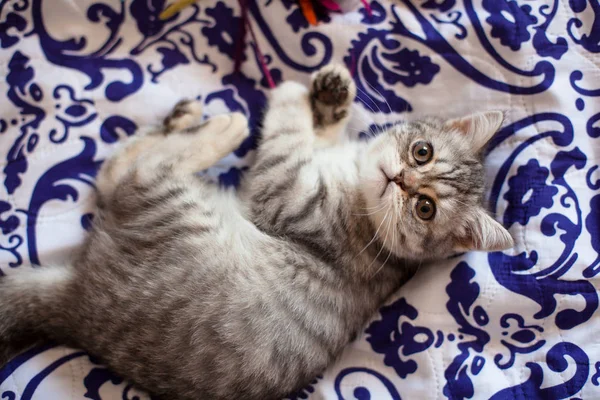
(520, 324)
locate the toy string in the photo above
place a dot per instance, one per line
(239, 46)
(259, 54)
(367, 7)
(246, 26)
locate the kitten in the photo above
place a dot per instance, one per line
(192, 292)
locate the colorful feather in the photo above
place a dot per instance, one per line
(330, 5)
(309, 11)
(174, 8)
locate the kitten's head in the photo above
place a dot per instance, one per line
(423, 185)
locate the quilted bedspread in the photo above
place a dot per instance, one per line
(79, 76)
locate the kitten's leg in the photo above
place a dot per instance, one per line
(198, 147)
(191, 145)
(331, 96)
(184, 144)
(184, 115)
(289, 112)
(283, 156)
(288, 125)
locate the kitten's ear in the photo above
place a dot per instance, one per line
(479, 128)
(483, 233)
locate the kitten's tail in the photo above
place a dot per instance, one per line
(30, 307)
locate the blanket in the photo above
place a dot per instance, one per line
(78, 77)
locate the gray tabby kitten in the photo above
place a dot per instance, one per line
(194, 293)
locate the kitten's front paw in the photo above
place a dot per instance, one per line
(185, 114)
(333, 85)
(332, 93)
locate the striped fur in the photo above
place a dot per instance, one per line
(195, 292)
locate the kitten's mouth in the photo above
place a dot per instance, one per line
(387, 182)
(386, 188)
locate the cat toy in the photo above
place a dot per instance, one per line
(175, 7)
(306, 6)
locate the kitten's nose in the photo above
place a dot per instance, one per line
(399, 180)
(405, 181)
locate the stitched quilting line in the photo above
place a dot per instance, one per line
(562, 339)
(495, 286)
(45, 152)
(77, 361)
(529, 111)
(435, 375)
(537, 286)
(83, 204)
(569, 14)
(18, 390)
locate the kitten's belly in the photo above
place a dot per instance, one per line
(211, 307)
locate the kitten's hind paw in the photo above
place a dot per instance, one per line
(185, 114)
(200, 147)
(225, 132)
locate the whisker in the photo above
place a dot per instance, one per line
(369, 132)
(370, 98)
(375, 235)
(372, 208)
(380, 130)
(382, 96)
(370, 213)
(379, 207)
(391, 247)
(382, 247)
(363, 118)
(419, 267)
(370, 123)
(358, 115)
(441, 212)
(461, 202)
(364, 102)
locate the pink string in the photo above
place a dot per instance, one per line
(331, 5)
(241, 42)
(247, 27)
(261, 58)
(367, 7)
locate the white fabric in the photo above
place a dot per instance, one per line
(522, 325)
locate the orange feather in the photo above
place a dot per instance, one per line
(308, 11)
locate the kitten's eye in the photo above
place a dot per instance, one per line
(422, 152)
(425, 208)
